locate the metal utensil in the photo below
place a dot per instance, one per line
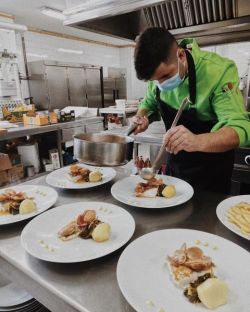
(149, 173)
(105, 149)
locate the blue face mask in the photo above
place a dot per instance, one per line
(171, 83)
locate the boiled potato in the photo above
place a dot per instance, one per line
(169, 191)
(213, 293)
(101, 232)
(95, 176)
(27, 206)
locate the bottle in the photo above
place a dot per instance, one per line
(148, 163)
(62, 116)
(141, 163)
(72, 114)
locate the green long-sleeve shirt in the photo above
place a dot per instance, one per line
(218, 96)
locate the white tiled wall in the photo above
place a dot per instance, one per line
(135, 88)
(238, 52)
(40, 46)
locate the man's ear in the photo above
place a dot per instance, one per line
(182, 54)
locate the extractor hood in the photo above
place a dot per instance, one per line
(209, 21)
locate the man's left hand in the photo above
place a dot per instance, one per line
(179, 138)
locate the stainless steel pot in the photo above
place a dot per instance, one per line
(103, 149)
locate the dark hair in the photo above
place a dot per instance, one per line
(153, 47)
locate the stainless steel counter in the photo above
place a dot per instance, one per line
(92, 286)
(31, 130)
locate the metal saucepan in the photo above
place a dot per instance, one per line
(105, 149)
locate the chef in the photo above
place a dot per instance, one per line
(215, 122)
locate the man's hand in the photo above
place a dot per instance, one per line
(179, 139)
(142, 123)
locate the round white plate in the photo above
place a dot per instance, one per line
(143, 274)
(44, 197)
(58, 178)
(124, 191)
(78, 249)
(223, 208)
(12, 295)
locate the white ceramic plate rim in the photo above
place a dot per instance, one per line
(138, 202)
(24, 188)
(123, 264)
(70, 206)
(10, 290)
(67, 184)
(223, 208)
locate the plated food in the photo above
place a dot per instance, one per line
(25, 201)
(146, 282)
(194, 272)
(239, 215)
(12, 202)
(82, 231)
(154, 187)
(80, 176)
(160, 192)
(86, 225)
(234, 213)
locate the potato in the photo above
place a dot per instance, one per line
(169, 191)
(95, 176)
(101, 233)
(27, 206)
(213, 293)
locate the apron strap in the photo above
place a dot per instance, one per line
(191, 76)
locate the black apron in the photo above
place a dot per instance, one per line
(208, 171)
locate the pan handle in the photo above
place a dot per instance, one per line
(132, 127)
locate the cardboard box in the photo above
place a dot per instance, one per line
(5, 162)
(16, 173)
(4, 177)
(15, 159)
(36, 120)
(40, 120)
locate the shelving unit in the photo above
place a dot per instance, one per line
(62, 133)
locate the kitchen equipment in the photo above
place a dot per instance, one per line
(29, 155)
(103, 149)
(149, 173)
(210, 21)
(30, 171)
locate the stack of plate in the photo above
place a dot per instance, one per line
(15, 299)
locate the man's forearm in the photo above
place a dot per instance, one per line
(222, 140)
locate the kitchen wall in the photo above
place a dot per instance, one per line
(135, 88)
(44, 46)
(238, 52)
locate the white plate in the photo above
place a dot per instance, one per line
(45, 228)
(124, 191)
(143, 275)
(44, 197)
(58, 178)
(12, 295)
(223, 208)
